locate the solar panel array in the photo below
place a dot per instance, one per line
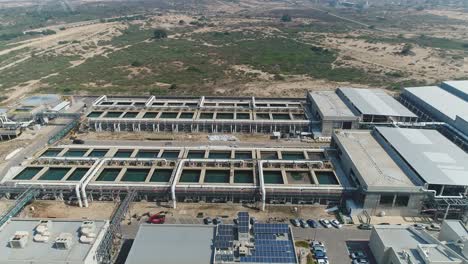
(260, 228)
(267, 247)
(243, 225)
(224, 237)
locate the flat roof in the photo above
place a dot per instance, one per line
(172, 244)
(458, 87)
(375, 102)
(443, 101)
(374, 164)
(431, 155)
(330, 105)
(458, 227)
(405, 239)
(36, 252)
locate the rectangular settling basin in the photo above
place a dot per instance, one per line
(135, 175)
(217, 176)
(161, 175)
(273, 177)
(326, 177)
(192, 176)
(54, 174)
(28, 173)
(108, 174)
(243, 176)
(77, 174)
(51, 153)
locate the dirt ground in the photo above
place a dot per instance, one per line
(4, 205)
(151, 136)
(229, 211)
(58, 209)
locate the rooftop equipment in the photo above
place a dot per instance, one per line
(19, 239)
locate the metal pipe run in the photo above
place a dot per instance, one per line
(262, 181)
(98, 167)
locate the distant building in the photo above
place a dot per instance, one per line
(395, 244)
(35, 241)
(375, 106)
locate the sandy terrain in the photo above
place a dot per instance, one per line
(424, 64)
(187, 210)
(57, 209)
(454, 14)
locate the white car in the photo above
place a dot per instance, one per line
(322, 261)
(325, 222)
(336, 223)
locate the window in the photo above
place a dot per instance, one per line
(402, 200)
(386, 200)
(347, 125)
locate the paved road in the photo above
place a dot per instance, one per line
(41, 140)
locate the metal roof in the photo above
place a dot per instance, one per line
(372, 162)
(45, 253)
(172, 244)
(441, 100)
(459, 88)
(330, 105)
(375, 102)
(404, 239)
(431, 155)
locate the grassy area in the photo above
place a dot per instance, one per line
(33, 69)
(301, 243)
(192, 65)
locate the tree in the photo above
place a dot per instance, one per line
(406, 50)
(160, 34)
(286, 18)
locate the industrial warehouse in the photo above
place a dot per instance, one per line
(363, 152)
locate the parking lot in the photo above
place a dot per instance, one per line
(340, 243)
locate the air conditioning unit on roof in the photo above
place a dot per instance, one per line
(64, 241)
(19, 239)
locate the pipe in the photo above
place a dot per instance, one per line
(178, 171)
(262, 180)
(96, 169)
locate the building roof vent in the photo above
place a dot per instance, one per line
(88, 232)
(43, 228)
(19, 239)
(64, 241)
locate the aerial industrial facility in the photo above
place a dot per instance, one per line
(364, 151)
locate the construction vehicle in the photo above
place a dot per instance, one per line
(158, 218)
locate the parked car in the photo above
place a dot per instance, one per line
(207, 221)
(218, 221)
(319, 254)
(312, 223)
(336, 223)
(433, 227)
(318, 248)
(303, 223)
(316, 243)
(365, 226)
(322, 261)
(419, 226)
(358, 255)
(325, 222)
(295, 222)
(360, 261)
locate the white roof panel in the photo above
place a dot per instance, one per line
(375, 102)
(441, 162)
(443, 101)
